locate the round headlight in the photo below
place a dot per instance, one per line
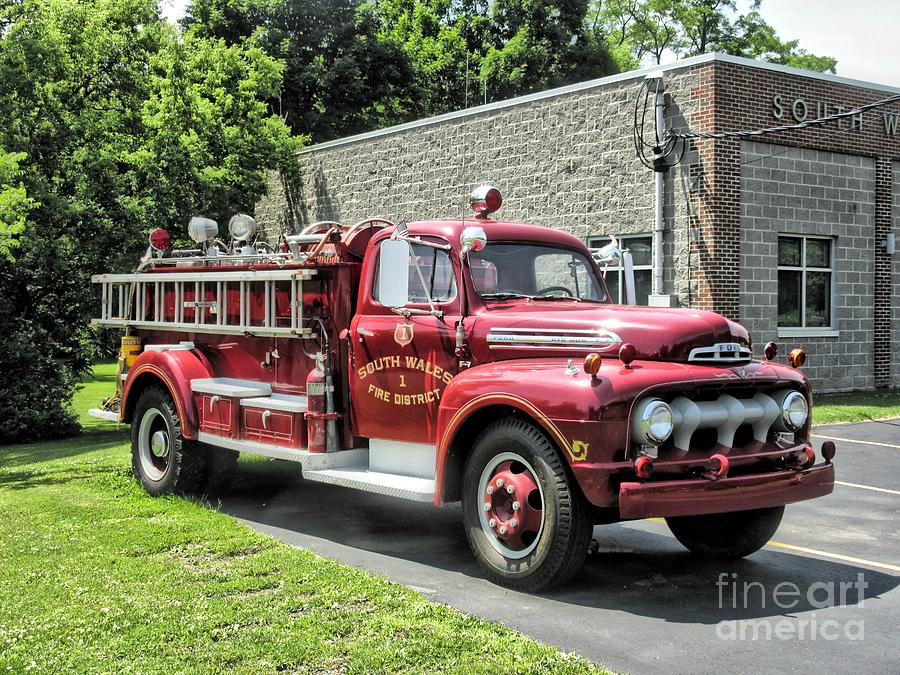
(242, 227)
(653, 422)
(794, 411)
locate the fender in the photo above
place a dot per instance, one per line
(176, 369)
(533, 387)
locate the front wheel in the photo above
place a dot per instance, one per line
(527, 522)
(161, 458)
(727, 535)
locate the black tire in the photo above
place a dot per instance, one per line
(178, 468)
(534, 560)
(727, 535)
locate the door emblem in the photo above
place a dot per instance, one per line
(403, 334)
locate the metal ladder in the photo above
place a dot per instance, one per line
(199, 301)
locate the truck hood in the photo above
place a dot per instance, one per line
(525, 328)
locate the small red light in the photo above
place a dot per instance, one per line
(493, 199)
(828, 451)
(160, 240)
(797, 358)
(627, 353)
(643, 466)
(771, 351)
(806, 457)
(717, 467)
(592, 364)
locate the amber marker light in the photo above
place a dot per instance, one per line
(797, 358)
(627, 354)
(771, 351)
(592, 364)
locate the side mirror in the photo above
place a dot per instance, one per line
(472, 239)
(393, 273)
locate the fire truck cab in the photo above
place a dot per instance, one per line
(470, 360)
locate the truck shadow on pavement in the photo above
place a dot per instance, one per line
(638, 569)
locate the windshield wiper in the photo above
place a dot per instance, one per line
(504, 296)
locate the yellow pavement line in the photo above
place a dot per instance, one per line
(835, 556)
(867, 487)
(824, 554)
(850, 440)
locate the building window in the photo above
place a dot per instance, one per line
(805, 292)
(641, 247)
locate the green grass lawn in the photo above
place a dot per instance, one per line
(97, 576)
(857, 406)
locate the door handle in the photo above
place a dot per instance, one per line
(212, 402)
(265, 416)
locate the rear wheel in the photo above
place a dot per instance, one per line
(161, 459)
(727, 535)
(527, 522)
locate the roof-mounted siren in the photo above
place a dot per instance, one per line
(485, 200)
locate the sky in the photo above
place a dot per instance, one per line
(861, 34)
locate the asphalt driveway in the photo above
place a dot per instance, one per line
(822, 596)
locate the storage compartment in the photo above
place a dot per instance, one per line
(218, 399)
(276, 419)
(216, 414)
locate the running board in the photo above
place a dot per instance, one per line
(361, 478)
(309, 460)
(101, 414)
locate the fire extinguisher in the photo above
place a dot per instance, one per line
(315, 406)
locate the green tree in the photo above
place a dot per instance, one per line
(127, 125)
(339, 77)
(644, 31)
(15, 203)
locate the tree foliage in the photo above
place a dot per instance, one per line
(642, 31)
(15, 203)
(126, 125)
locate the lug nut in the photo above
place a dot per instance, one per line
(487, 506)
(516, 506)
(490, 489)
(492, 523)
(514, 523)
(499, 483)
(503, 529)
(510, 489)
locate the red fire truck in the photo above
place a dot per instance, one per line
(470, 360)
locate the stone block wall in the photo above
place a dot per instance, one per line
(787, 190)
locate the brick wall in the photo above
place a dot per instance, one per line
(895, 294)
(788, 190)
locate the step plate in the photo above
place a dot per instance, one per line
(390, 484)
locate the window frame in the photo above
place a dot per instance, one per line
(803, 330)
(598, 241)
(445, 304)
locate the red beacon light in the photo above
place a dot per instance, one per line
(160, 240)
(485, 200)
(627, 354)
(770, 351)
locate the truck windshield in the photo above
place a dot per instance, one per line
(504, 270)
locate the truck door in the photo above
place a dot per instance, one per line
(400, 366)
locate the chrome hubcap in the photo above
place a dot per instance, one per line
(159, 444)
(154, 442)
